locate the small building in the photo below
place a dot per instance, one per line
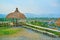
(16, 16)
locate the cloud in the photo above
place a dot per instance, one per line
(31, 6)
(6, 9)
(54, 4)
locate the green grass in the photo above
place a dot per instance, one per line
(9, 31)
(43, 24)
(56, 33)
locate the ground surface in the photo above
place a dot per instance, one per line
(27, 34)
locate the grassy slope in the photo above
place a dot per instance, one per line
(56, 33)
(9, 31)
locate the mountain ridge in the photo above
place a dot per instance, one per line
(32, 15)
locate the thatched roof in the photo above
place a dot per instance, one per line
(16, 14)
(58, 22)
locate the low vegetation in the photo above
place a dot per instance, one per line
(54, 32)
(8, 31)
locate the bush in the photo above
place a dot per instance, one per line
(4, 25)
(8, 31)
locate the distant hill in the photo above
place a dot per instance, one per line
(30, 15)
(2, 15)
(37, 15)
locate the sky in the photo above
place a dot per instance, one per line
(38, 7)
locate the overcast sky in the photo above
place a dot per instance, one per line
(51, 7)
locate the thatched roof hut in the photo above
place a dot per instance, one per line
(16, 14)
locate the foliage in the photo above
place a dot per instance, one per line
(43, 24)
(4, 25)
(8, 31)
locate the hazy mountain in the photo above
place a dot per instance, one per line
(51, 15)
(30, 15)
(2, 15)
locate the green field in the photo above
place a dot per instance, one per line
(9, 31)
